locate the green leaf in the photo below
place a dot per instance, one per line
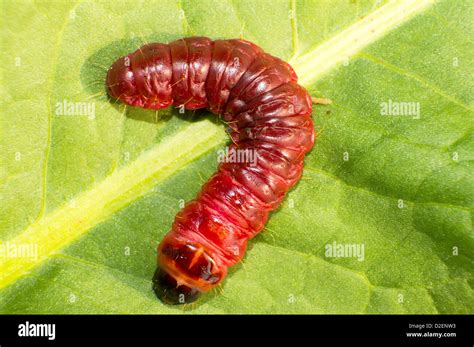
(87, 198)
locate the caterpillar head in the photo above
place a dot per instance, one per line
(184, 271)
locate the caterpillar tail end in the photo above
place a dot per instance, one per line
(170, 292)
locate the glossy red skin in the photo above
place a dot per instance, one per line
(268, 112)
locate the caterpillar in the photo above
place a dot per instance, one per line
(268, 113)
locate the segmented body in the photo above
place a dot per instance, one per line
(268, 113)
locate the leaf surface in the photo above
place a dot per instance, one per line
(96, 193)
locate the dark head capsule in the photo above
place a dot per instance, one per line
(167, 289)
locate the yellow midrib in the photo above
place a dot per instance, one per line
(313, 65)
(61, 227)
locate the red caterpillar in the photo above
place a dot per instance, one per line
(268, 113)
